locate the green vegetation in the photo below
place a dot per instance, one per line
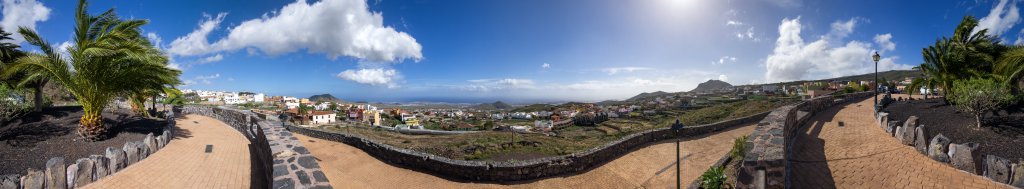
(499, 146)
(110, 57)
(727, 111)
(970, 55)
(739, 146)
(980, 96)
(10, 108)
(713, 178)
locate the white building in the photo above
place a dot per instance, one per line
(323, 117)
(258, 97)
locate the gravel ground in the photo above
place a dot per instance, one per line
(35, 138)
(1001, 138)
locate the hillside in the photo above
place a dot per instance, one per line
(492, 106)
(711, 85)
(647, 95)
(534, 108)
(324, 98)
(888, 75)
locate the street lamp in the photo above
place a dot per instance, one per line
(678, 126)
(875, 58)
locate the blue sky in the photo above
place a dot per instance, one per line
(524, 50)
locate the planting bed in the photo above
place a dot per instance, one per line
(1002, 134)
(28, 142)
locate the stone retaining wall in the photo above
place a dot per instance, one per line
(61, 174)
(764, 164)
(280, 160)
(517, 171)
(965, 157)
(487, 171)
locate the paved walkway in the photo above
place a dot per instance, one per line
(862, 155)
(183, 163)
(349, 167)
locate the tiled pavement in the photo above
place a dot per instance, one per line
(183, 163)
(860, 154)
(349, 167)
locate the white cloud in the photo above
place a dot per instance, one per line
(885, 41)
(204, 79)
(195, 43)
(333, 27)
(497, 84)
(1001, 18)
(175, 66)
(615, 70)
(724, 59)
(723, 77)
(62, 49)
(739, 25)
(793, 59)
(372, 76)
(545, 66)
(213, 58)
(1020, 38)
(17, 13)
(159, 43)
(840, 30)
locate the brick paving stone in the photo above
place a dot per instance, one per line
(349, 167)
(860, 152)
(184, 164)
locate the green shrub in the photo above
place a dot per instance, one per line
(12, 105)
(979, 96)
(739, 146)
(713, 178)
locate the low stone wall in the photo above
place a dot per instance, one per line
(60, 175)
(764, 164)
(280, 160)
(965, 157)
(487, 171)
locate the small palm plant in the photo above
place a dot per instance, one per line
(714, 178)
(109, 58)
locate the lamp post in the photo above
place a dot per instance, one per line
(875, 58)
(678, 126)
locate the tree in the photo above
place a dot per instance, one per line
(8, 54)
(979, 96)
(174, 97)
(109, 58)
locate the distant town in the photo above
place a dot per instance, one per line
(326, 110)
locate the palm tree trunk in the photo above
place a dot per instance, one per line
(39, 97)
(977, 119)
(90, 126)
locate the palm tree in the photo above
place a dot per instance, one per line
(967, 54)
(926, 82)
(1009, 69)
(8, 53)
(109, 58)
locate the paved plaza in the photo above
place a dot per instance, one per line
(862, 155)
(184, 162)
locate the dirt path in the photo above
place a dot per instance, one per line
(183, 163)
(861, 155)
(349, 167)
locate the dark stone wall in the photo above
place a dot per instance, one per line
(769, 143)
(482, 171)
(278, 159)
